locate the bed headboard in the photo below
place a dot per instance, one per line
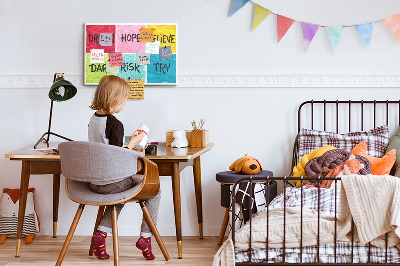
(347, 116)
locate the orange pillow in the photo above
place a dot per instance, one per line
(380, 166)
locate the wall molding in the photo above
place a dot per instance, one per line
(240, 81)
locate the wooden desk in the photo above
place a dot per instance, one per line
(170, 162)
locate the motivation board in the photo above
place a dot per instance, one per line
(131, 51)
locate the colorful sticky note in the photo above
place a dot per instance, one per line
(111, 69)
(105, 39)
(116, 59)
(152, 47)
(165, 53)
(137, 89)
(146, 35)
(143, 58)
(97, 56)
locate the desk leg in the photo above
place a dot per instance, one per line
(197, 187)
(25, 175)
(56, 199)
(176, 190)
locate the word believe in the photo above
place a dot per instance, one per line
(171, 38)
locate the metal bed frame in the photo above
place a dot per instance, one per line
(337, 107)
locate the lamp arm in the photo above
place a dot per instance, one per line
(50, 116)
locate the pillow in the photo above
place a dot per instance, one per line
(380, 166)
(394, 143)
(377, 139)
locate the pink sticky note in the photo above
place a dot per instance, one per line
(116, 59)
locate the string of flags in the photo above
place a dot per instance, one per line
(309, 30)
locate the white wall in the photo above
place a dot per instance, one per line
(40, 38)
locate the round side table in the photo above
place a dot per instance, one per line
(228, 178)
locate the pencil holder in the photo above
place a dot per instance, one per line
(199, 138)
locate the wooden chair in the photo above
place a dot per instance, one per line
(83, 162)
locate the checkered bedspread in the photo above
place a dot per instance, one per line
(326, 252)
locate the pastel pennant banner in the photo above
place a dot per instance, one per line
(260, 13)
(365, 32)
(283, 25)
(309, 31)
(335, 35)
(393, 23)
(236, 5)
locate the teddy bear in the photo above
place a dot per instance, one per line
(180, 140)
(9, 205)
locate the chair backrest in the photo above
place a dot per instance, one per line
(93, 162)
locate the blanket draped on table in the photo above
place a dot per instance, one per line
(373, 202)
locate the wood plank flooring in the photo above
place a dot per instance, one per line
(44, 250)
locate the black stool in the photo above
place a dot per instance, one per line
(229, 178)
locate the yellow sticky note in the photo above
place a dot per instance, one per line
(137, 89)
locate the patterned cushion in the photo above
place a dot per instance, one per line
(377, 139)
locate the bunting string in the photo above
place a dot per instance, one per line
(310, 29)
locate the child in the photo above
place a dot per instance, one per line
(110, 98)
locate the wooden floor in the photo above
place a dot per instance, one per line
(44, 250)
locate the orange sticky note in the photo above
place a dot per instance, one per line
(146, 35)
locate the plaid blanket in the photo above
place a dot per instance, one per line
(326, 252)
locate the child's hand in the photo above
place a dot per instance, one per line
(141, 150)
(135, 139)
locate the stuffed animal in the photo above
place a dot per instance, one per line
(9, 205)
(180, 140)
(246, 165)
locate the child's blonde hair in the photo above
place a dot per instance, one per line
(109, 93)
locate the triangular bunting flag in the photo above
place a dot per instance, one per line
(335, 34)
(365, 32)
(309, 31)
(236, 5)
(283, 25)
(260, 13)
(393, 23)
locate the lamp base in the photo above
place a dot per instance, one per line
(45, 139)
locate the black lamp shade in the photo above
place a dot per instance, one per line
(62, 90)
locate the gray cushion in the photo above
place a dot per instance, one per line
(80, 192)
(96, 162)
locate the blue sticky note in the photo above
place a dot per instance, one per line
(165, 53)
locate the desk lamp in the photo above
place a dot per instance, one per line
(61, 90)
